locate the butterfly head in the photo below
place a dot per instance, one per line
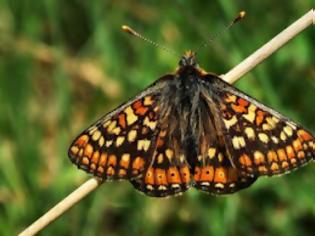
(188, 59)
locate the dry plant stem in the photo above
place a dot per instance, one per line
(62, 206)
(233, 75)
(266, 50)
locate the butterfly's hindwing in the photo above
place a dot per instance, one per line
(213, 171)
(168, 174)
(217, 175)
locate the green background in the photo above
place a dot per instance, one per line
(63, 64)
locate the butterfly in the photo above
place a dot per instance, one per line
(191, 129)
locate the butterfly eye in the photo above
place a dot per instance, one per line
(187, 61)
(192, 61)
(182, 62)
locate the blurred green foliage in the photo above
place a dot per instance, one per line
(65, 63)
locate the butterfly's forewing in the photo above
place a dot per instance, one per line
(120, 145)
(260, 140)
(213, 171)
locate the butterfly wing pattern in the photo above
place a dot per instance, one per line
(119, 145)
(191, 129)
(213, 168)
(261, 141)
(168, 173)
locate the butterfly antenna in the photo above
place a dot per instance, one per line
(238, 18)
(131, 31)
